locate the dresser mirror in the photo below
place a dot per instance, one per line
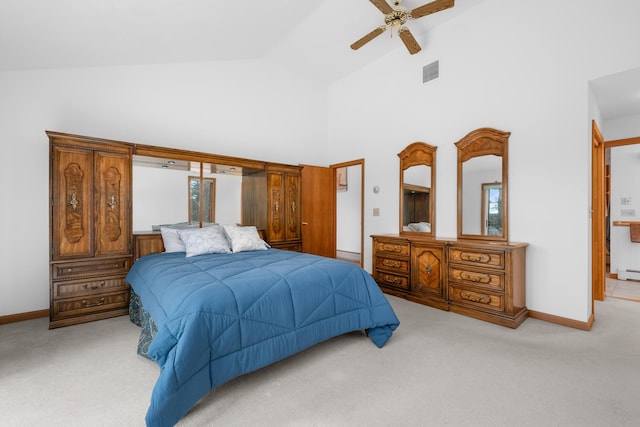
(417, 189)
(482, 185)
(172, 191)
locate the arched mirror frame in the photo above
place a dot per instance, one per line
(419, 154)
(484, 142)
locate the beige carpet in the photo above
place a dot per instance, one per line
(438, 369)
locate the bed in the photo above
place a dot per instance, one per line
(210, 318)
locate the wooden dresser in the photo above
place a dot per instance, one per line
(90, 225)
(484, 280)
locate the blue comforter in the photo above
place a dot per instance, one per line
(223, 315)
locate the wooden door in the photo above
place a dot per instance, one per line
(598, 217)
(318, 211)
(112, 186)
(71, 202)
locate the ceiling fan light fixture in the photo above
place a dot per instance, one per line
(396, 16)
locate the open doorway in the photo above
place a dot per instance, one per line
(622, 194)
(349, 178)
(615, 172)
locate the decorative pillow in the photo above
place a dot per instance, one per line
(171, 240)
(207, 240)
(244, 238)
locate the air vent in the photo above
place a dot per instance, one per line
(431, 71)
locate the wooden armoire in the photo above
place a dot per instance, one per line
(90, 228)
(271, 201)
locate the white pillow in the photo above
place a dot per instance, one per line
(244, 238)
(207, 240)
(171, 240)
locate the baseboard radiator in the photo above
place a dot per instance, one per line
(629, 274)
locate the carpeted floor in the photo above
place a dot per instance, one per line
(438, 369)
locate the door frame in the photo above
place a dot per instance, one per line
(598, 225)
(335, 167)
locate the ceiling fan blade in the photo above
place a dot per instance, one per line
(409, 41)
(382, 5)
(429, 8)
(366, 39)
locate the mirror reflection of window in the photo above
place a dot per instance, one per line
(475, 172)
(492, 209)
(205, 200)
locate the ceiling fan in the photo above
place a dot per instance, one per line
(396, 16)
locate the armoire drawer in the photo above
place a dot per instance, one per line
(476, 298)
(66, 289)
(489, 279)
(392, 280)
(293, 247)
(477, 257)
(89, 304)
(90, 268)
(392, 264)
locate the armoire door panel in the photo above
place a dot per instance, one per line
(292, 231)
(72, 202)
(112, 187)
(276, 213)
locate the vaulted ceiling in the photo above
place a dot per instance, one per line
(312, 37)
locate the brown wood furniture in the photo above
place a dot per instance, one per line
(271, 202)
(477, 279)
(481, 275)
(92, 242)
(90, 218)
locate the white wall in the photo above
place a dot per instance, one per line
(522, 67)
(250, 109)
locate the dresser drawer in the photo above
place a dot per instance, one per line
(479, 278)
(475, 298)
(392, 247)
(478, 257)
(392, 265)
(91, 268)
(392, 280)
(89, 304)
(68, 289)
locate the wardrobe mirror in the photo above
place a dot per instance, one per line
(417, 189)
(482, 185)
(170, 191)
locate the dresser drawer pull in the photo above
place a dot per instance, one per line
(392, 248)
(390, 279)
(475, 278)
(94, 287)
(390, 263)
(86, 303)
(466, 256)
(484, 299)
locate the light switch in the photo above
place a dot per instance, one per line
(376, 211)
